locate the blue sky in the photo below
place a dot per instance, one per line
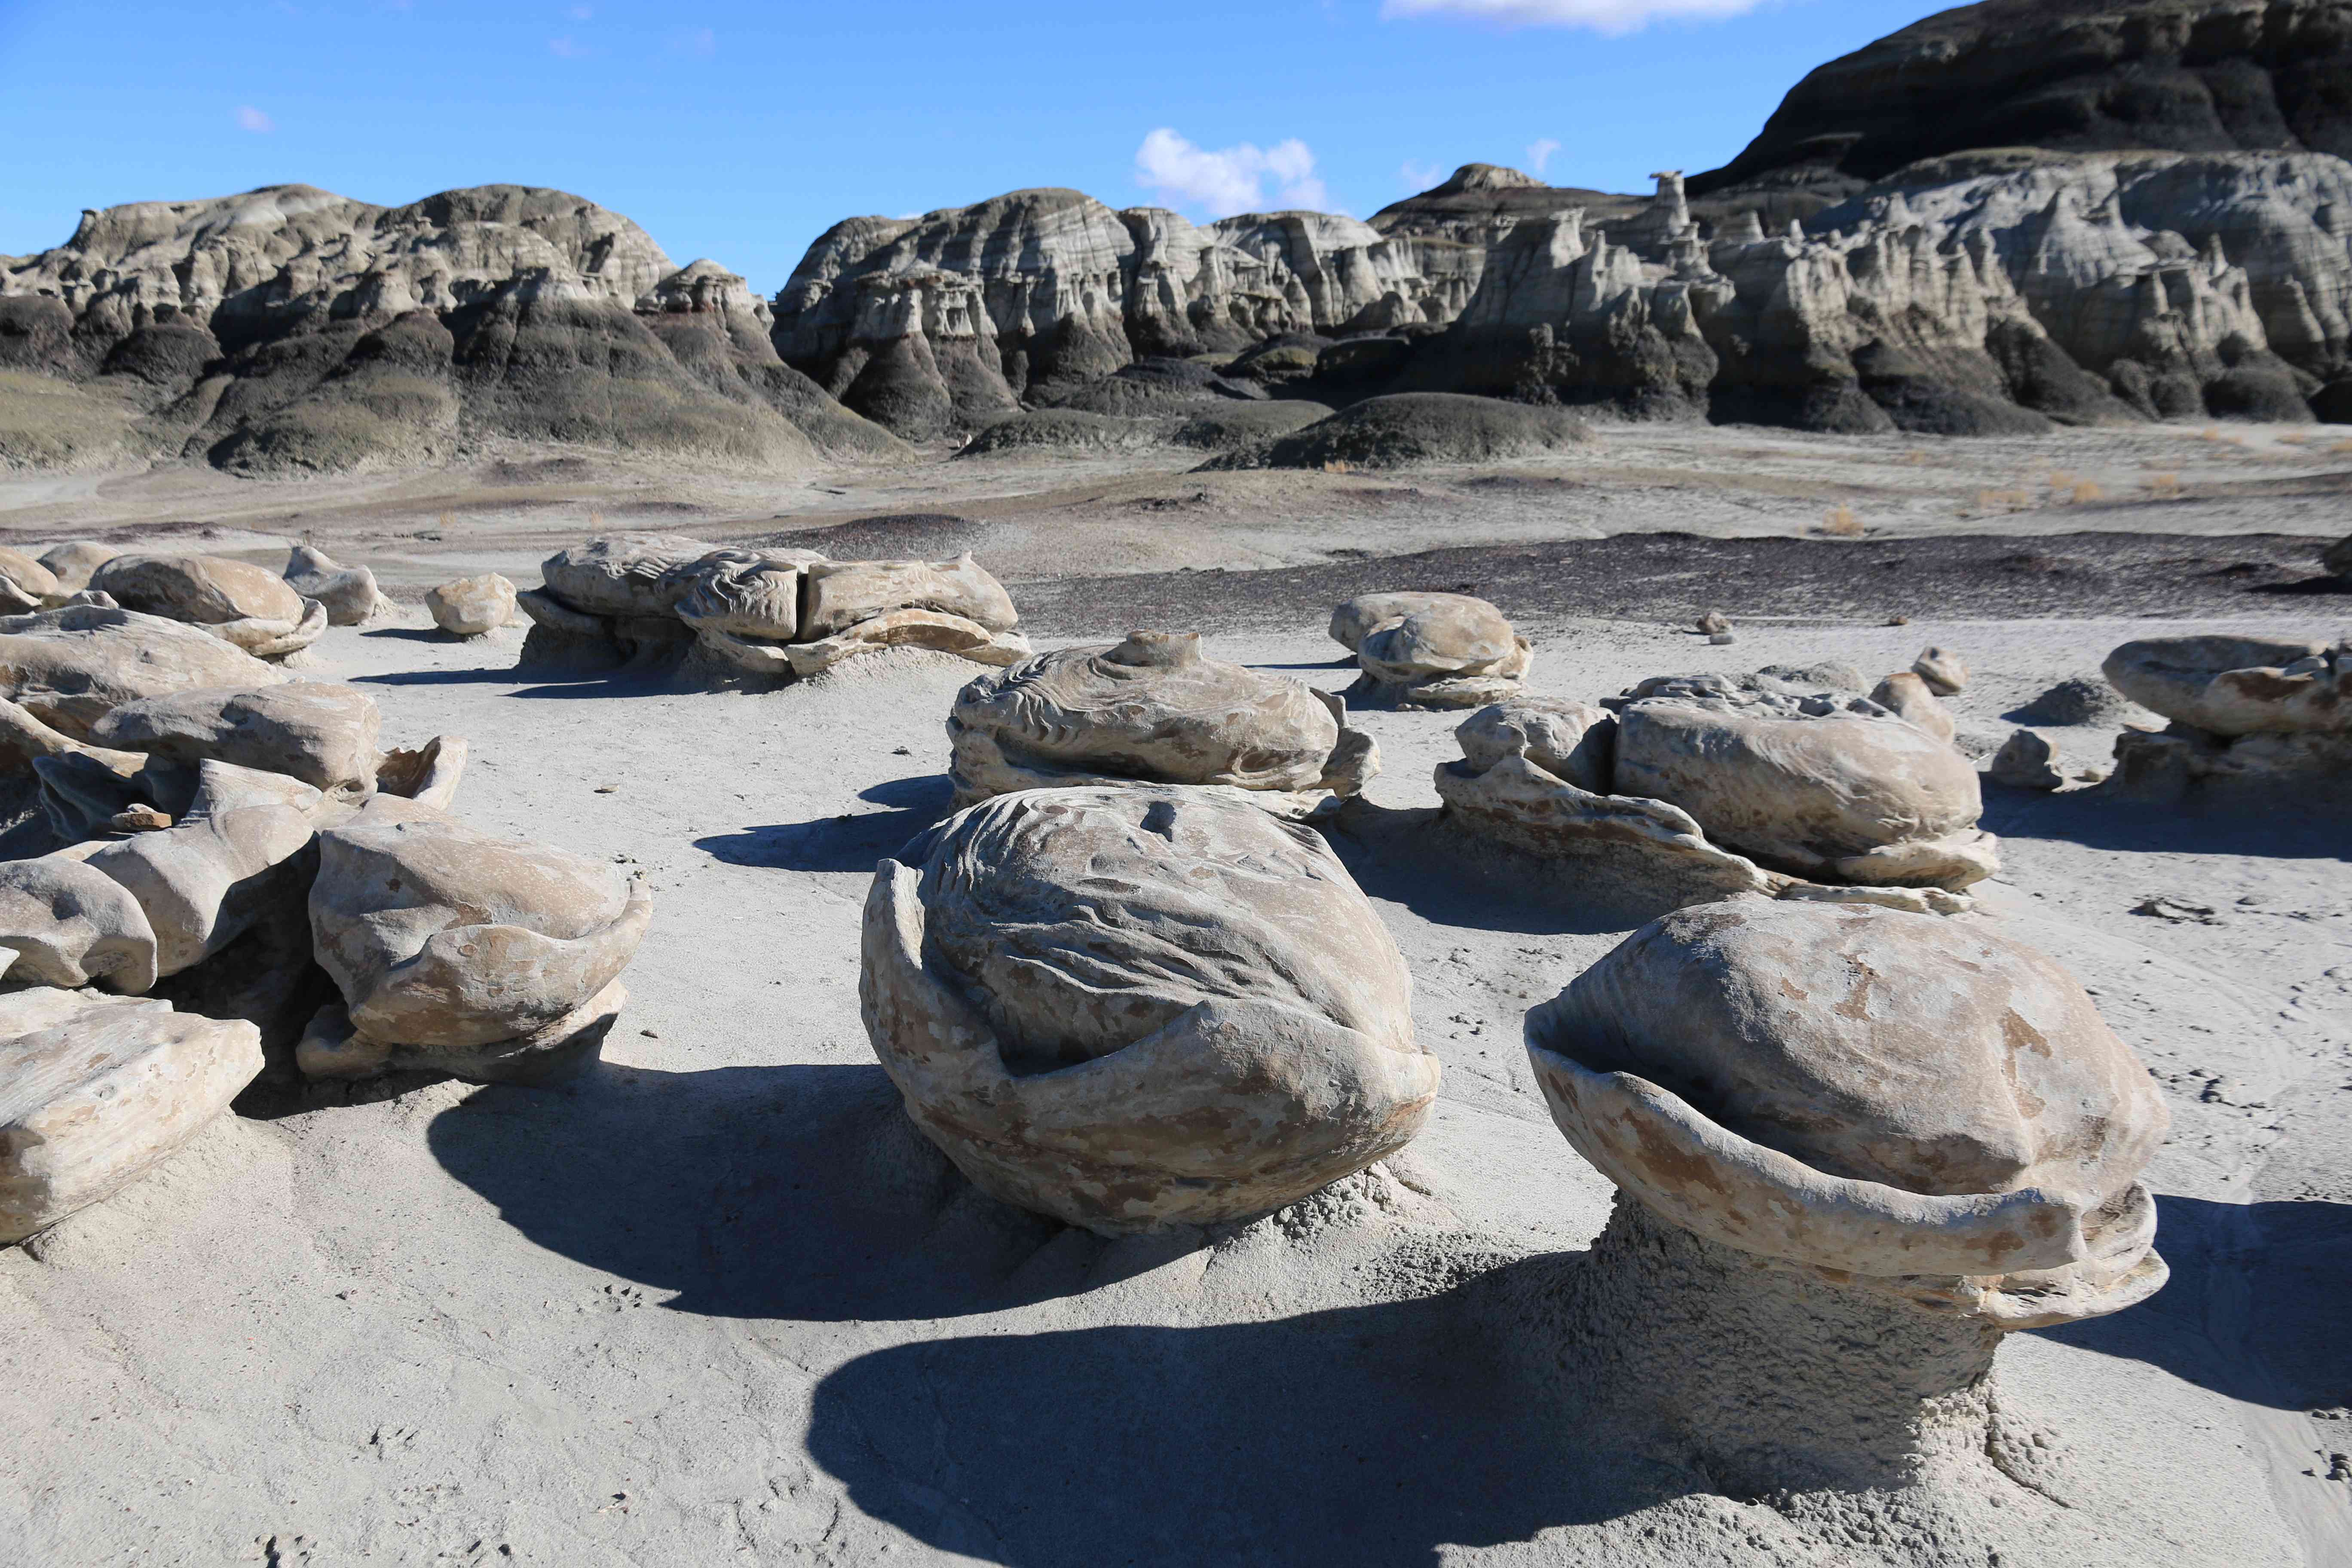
(741, 131)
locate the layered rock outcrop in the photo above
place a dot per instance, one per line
(2189, 76)
(288, 329)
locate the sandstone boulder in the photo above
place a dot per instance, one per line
(458, 953)
(1910, 696)
(1572, 741)
(1886, 1098)
(1832, 793)
(622, 574)
(1458, 654)
(841, 594)
(322, 732)
(1154, 710)
(349, 592)
(235, 601)
(471, 606)
(72, 562)
(1366, 613)
(96, 1092)
(24, 583)
(237, 851)
(2079, 699)
(2233, 686)
(1945, 672)
(1143, 1006)
(753, 594)
(70, 925)
(2024, 762)
(71, 667)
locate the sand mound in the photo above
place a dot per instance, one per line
(1155, 387)
(1422, 427)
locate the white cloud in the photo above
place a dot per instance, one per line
(702, 41)
(251, 119)
(1539, 153)
(1416, 176)
(1232, 179)
(1613, 16)
(566, 49)
(580, 13)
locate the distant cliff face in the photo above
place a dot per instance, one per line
(290, 329)
(2077, 76)
(947, 321)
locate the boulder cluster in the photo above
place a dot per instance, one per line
(760, 615)
(2247, 713)
(1780, 783)
(218, 875)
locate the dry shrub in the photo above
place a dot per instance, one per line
(2061, 480)
(1915, 458)
(1337, 466)
(2004, 501)
(2340, 449)
(1839, 522)
(2085, 491)
(2164, 487)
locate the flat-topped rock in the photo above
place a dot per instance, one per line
(96, 1092)
(2232, 686)
(322, 732)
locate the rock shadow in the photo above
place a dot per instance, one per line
(413, 634)
(1415, 858)
(2098, 819)
(2308, 587)
(852, 841)
(1374, 1436)
(797, 1191)
(2256, 1306)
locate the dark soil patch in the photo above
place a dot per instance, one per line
(1674, 577)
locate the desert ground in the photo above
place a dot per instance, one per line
(717, 1300)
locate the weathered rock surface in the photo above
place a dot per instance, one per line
(1837, 794)
(1364, 614)
(96, 1092)
(2079, 699)
(70, 925)
(24, 583)
(1913, 699)
(745, 593)
(233, 600)
(1453, 651)
(322, 732)
(2337, 557)
(463, 954)
(1152, 709)
(2232, 686)
(71, 563)
(1143, 1006)
(2024, 762)
(623, 574)
(840, 594)
(290, 329)
(1573, 741)
(471, 606)
(1945, 672)
(236, 852)
(70, 667)
(2189, 76)
(1971, 1139)
(349, 592)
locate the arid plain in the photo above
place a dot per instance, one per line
(718, 1302)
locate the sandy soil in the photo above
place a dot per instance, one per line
(715, 1302)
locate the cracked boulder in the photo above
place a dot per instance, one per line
(1453, 652)
(239, 602)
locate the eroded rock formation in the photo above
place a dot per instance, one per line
(291, 330)
(1152, 709)
(1696, 788)
(2253, 714)
(758, 614)
(1140, 1006)
(1853, 1148)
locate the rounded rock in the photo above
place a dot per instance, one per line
(1133, 1008)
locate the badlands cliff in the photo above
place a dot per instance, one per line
(2176, 242)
